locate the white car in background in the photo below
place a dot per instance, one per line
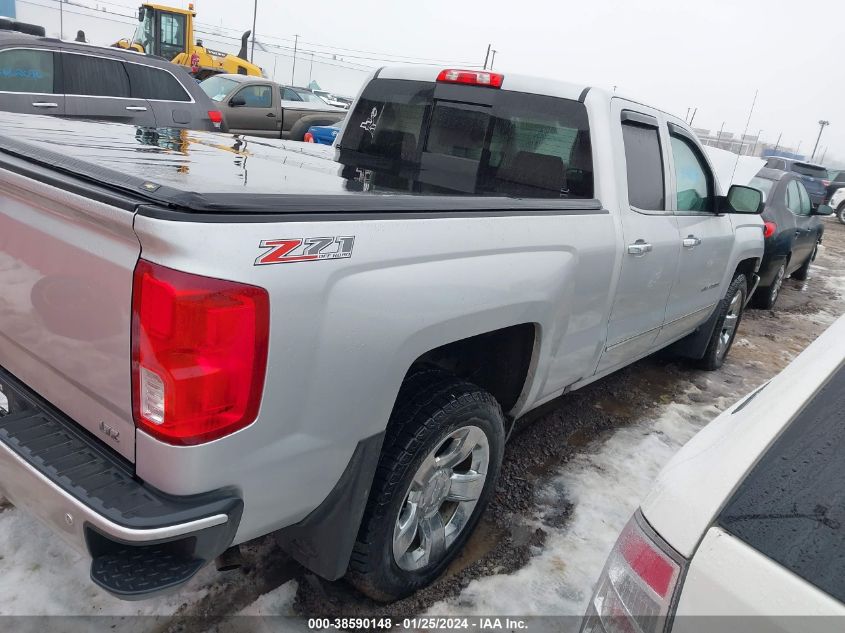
(837, 202)
(332, 100)
(748, 519)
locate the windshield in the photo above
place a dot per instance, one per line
(217, 87)
(809, 170)
(763, 184)
(145, 33)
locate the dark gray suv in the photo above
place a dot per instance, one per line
(40, 75)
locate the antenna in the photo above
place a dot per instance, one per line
(747, 123)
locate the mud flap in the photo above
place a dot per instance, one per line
(322, 542)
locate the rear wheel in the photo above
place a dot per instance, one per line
(436, 474)
(765, 297)
(840, 212)
(729, 316)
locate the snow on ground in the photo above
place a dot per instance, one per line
(606, 484)
(43, 575)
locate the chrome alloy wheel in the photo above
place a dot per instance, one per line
(441, 498)
(729, 324)
(777, 283)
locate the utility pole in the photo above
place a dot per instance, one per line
(798, 149)
(492, 59)
(487, 56)
(61, 19)
(747, 123)
(311, 69)
(719, 138)
(686, 117)
(778, 143)
(293, 70)
(822, 125)
(254, 20)
(692, 118)
(824, 153)
(756, 140)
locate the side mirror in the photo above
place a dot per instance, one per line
(822, 209)
(142, 12)
(237, 102)
(741, 199)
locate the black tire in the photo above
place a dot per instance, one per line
(431, 405)
(840, 212)
(765, 296)
(804, 272)
(297, 132)
(715, 355)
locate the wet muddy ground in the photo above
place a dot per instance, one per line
(520, 519)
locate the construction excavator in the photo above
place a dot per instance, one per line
(168, 32)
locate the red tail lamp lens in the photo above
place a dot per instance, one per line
(199, 354)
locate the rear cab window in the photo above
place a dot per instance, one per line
(444, 139)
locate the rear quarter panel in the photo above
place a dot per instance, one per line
(344, 333)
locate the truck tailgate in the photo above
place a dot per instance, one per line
(66, 264)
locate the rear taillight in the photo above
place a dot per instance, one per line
(769, 229)
(472, 78)
(826, 183)
(216, 118)
(636, 589)
(199, 354)
(309, 138)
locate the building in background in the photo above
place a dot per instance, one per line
(7, 8)
(744, 144)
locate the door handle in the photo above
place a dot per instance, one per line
(639, 248)
(691, 241)
(45, 104)
(270, 114)
(136, 108)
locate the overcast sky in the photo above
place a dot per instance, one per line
(673, 54)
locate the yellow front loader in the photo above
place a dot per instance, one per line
(168, 32)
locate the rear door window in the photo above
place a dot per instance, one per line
(27, 70)
(89, 76)
(644, 161)
(470, 140)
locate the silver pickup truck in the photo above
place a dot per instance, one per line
(207, 341)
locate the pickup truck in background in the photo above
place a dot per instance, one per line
(203, 346)
(260, 107)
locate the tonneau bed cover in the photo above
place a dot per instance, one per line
(204, 174)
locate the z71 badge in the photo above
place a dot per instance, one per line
(305, 249)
